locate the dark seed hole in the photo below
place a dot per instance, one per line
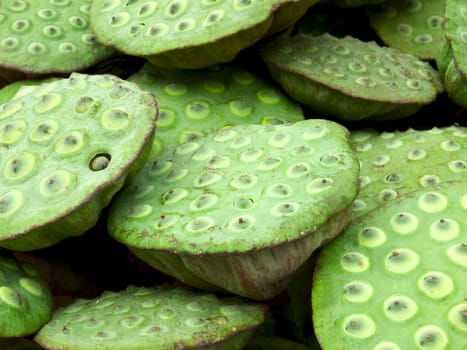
(100, 162)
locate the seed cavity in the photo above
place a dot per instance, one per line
(358, 291)
(401, 260)
(436, 285)
(431, 337)
(355, 262)
(359, 326)
(400, 308)
(404, 223)
(100, 162)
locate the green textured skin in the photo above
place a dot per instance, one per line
(48, 38)
(160, 317)
(186, 34)
(395, 278)
(413, 26)
(25, 299)
(222, 202)
(193, 103)
(395, 163)
(68, 147)
(345, 78)
(451, 60)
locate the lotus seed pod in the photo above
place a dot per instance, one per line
(68, 147)
(348, 79)
(25, 299)
(160, 317)
(249, 203)
(451, 60)
(190, 34)
(395, 163)
(48, 37)
(413, 26)
(193, 103)
(19, 88)
(395, 278)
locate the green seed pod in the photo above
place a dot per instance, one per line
(68, 147)
(348, 79)
(249, 203)
(395, 278)
(48, 37)
(160, 317)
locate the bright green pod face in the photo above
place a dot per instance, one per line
(399, 162)
(345, 78)
(25, 299)
(236, 196)
(188, 34)
(160, 317)
(395, 278)
(69, 145)
(413, 26)
(48, 36)
(194, 103)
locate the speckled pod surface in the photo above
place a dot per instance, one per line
(413, 26)
(249, 203)
(399, 162)
(395, 278)
(25, 299)
(195, 102)
(161, 317)
(68, 147)
(48, 36)
(190, 34)
(348, 79)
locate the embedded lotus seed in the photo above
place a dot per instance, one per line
(355, 262)
(386, 345)
(269, 163)
(115, 119)
(436, 285)
(284, 209)
(197, 110)
(458, 316)
(404, 223)
(319, 185)
(219, 162)
(11, 297)
(243, 203)
(458, 254)
(19, 166)
(241, 108)
(429, 180)
(205, 201)
(139, 211)
(200, 224)
(279, 190)
(241, 223)
(244, 181)
(444, 230)
(431, 337)
(417, 154)
(251, 155)
(432, 202)
(12, 131)
(207, 178)
(298, 170)
(400, 308)
(70, 143)
(387, 195)
(401, 260)
(55, 183)
(358, 292)
(176, 175)
(359, 326)
(100, 162)
(371, 237)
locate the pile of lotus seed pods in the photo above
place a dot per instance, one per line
(233, 174)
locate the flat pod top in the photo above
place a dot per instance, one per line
(48, 36)
(240, 189)
(64, 143)
(160, 317)
(194, 102)
(395, 278)
(413, 26)
(355, 68)
(399, 162)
